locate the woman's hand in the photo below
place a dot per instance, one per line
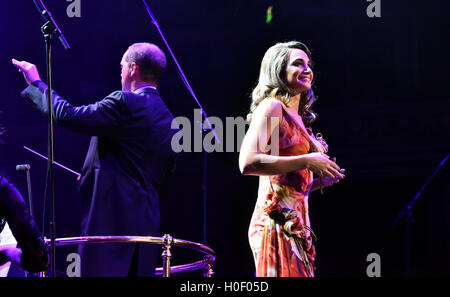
(327, 181)
(30, 72)
(321, 165)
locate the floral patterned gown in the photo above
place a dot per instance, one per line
(280, 235)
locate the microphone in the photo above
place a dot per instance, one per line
(23, 167)
(46, 15)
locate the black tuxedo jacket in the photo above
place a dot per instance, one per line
(127, 166)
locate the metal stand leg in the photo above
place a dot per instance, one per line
(167, 255)
(209, 272)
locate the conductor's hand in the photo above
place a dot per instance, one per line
(30, 72)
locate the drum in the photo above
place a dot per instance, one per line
(167, 242)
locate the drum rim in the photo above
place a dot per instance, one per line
(208, 258)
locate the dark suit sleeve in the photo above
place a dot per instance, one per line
(99, 118)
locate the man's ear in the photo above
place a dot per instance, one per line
(133, 69)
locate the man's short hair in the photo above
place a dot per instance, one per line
(150, 59)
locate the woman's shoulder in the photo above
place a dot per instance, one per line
(270, 107)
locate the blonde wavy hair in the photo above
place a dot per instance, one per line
(271, 80)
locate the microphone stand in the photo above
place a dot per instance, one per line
(30, 197)
(48, 29)
(27, 167)
(202, 127)
(406, 212)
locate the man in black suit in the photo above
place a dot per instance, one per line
(128, 163)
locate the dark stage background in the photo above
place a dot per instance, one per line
(383, 108)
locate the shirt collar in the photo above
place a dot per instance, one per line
(141, 90)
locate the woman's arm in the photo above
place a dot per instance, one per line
(264, 126)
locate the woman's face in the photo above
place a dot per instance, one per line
(299, 75)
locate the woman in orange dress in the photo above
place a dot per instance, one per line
(280, 148)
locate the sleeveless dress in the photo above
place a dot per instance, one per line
(280, 235)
